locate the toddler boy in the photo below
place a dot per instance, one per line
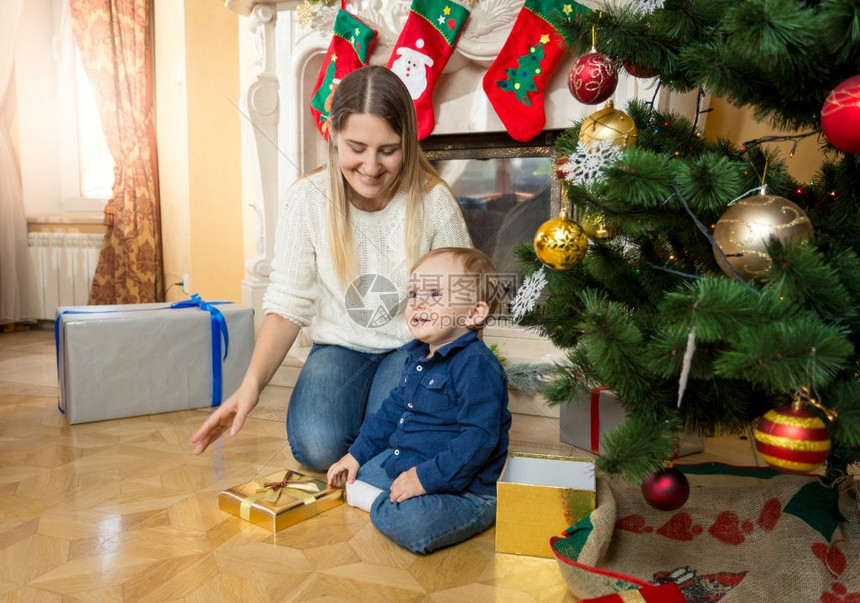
(433, 452)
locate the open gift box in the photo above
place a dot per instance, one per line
(538, 497)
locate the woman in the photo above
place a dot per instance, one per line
(345, 241)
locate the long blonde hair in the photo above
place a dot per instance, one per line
(376, 91)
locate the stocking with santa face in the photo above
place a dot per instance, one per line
(422, 50)
(350, 46)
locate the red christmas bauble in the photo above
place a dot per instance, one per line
(638, 70)
(667, 489)
(840, 116)
(792, 439)
(593, 78)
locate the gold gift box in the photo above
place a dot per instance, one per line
(279, 500)
(538, 497)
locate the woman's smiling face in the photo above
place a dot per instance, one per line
(371, 158)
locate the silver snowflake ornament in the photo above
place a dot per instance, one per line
(528, 294)
(649, 6)
(586, 164)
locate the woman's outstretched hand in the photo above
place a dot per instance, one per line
(229, 416)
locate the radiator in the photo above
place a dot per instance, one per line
(65, 263)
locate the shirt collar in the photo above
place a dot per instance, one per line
(418, 349)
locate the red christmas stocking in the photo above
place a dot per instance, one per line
(349, 49)
(422, 50)
(516, 80)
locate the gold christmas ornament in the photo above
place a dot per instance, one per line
(560, 243)
(744, 229)
(610, 124)
(596, 226)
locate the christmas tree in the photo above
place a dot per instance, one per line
(688, 330)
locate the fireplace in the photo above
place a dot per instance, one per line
(506, 190)
(505, 187)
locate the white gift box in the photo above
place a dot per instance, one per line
(140, 359)
(583, 422)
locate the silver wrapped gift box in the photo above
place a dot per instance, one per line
(583, 422)
(141, 359)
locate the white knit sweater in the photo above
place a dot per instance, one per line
(304, 286)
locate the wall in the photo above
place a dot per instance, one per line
(172, 136)
(738, 126)
(214, 158)
(197, 79)
(36, 101)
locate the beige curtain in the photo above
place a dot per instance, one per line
(115, 44)
(18, 295)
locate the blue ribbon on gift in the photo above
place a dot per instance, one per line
(219, 330)
(217, 323)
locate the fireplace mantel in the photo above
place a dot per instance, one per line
(281, 140)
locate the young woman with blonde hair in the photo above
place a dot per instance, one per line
(346, 238)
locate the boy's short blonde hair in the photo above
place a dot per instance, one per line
(475, 263)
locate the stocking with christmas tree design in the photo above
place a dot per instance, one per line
(516, 80)
(422, 51)
(348, 51)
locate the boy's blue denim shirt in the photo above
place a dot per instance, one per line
(448, 417)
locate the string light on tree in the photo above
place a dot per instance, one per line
(743, 231)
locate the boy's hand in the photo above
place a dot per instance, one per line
(347, 464)
(406, 486)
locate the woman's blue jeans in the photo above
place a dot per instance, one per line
(425, 523)
(335, 389)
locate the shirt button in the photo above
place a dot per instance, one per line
(396, 452)
(401, 421)
(409, 404)
(431, 381)
(419, 368)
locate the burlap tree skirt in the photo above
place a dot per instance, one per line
(775, 537)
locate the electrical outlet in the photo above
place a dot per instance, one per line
(186, 284)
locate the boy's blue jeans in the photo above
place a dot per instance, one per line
(425, 523)
(335, 389)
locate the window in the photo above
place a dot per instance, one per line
(95, 163)
(86, 165)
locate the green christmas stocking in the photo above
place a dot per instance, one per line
(349, 49)
(516, 80)
(422, 50)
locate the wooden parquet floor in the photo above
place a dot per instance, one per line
(122, 511)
